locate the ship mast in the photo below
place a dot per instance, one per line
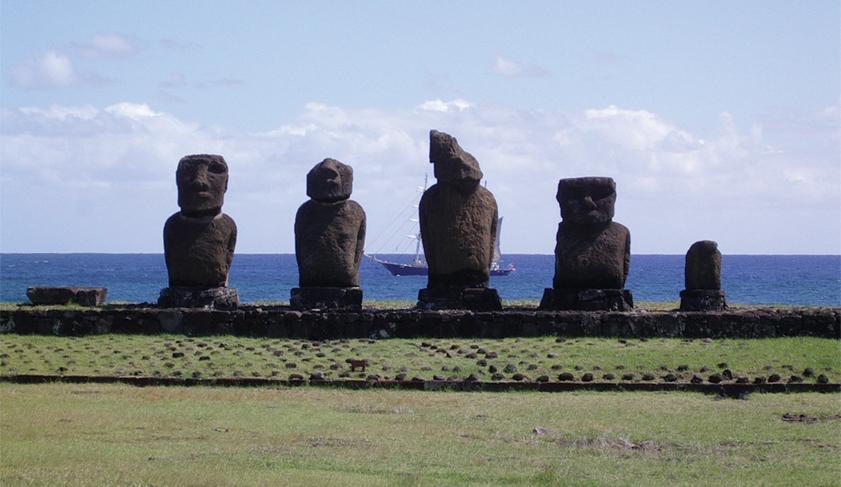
(418, 235)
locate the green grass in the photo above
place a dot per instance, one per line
(230, 356)
(113, 434)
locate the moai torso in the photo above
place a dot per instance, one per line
(592, 251)
(199, 240)
(199, 251)
(703, 266)
(329, 229)
(458, 218)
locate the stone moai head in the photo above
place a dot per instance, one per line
(703, 266)
(587, 201)
(202, 180)
(330, 181)
(453, 165)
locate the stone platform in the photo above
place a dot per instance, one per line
(282, 321)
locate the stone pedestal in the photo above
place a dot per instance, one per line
(213, 298)
(344, 298)
(587, 299)
(477, 299)
(702, 300)
(83, 296)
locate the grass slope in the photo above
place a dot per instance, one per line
(111, 434)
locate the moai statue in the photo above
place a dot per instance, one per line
(458, 220)
(329, 241)
(703, 278)
(199, 240)
(593, 253)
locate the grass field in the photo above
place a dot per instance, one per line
(485, 359)
(112, 434)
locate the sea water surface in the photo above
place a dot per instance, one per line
(813, 280)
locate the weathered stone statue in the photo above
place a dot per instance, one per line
(703, 278)
(199, 240)
(593, 253)
(329, 240)
(458, 220)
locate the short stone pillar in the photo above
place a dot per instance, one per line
(199, 240)
(329, 241)
(458, 220)
(592, 252)
(703, 279)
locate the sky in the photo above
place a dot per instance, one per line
(718, 120)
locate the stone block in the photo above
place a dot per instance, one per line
(340, 298)
(587, 299)
(477, 299)
(214, 298)
(702, 300)
(83, 296)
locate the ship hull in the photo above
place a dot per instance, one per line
(422, 270)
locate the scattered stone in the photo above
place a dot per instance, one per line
(808, 372)
(400, 377)
(727, 374)
(759, 380)
(587, 377)
(628, 376)
(518, 377)
(774, 378)
(542, 378)
(296, 377)
(510, 369)
(795, 379)
(531, 367)
(670, 378)
(315, 376)
(177, 354)
(696, 379)
(714, 379)
(497, 376)
(291, 365)
(438, 377)
(61, 295)
(822, 379)
(799, 418)
(648, 376)
(203, 358)
(682, 368)
(566, 376)
(608, 376)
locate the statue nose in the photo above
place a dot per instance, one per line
(200, 180)
(588, 203)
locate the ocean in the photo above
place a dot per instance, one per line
(813, 280)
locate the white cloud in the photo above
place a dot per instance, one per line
(514, 69)
(107, 45)
(445, 106)
(125, 154)
(52, 69)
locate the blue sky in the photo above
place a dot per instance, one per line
(719, 120)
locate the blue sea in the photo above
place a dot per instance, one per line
(748, 279)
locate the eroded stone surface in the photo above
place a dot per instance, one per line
(329, 229)
(703, 278)
(59, 295)
(703, 266)
(592, 252)
(458, 220)
(199, 240)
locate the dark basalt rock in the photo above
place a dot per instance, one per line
(199, 240)
(329, 229)
(347, 298)
(592, 253)
(60, 295)
(458, 224)
(703, 278)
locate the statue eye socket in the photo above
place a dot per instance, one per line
(216, 167)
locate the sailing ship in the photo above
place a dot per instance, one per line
(419, 268)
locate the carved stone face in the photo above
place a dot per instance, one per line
(202, 180)
(587, 201)
(452, 164)
(329, 181)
